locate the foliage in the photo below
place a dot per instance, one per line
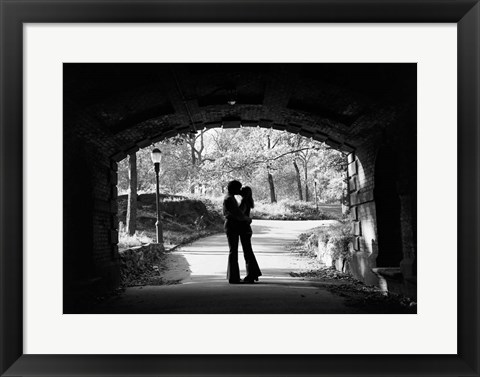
(292, 210)
(184, 220)
(334, 240)
(339, 236)
(203, 163)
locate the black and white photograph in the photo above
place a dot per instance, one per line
(240, 188)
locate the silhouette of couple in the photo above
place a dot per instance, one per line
(237, 225)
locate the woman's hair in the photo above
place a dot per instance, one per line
(246, 193)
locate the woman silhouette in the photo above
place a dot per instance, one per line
(253, 271)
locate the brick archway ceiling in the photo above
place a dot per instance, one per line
(136, 104)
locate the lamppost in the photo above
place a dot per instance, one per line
(156, 159)
(315, 181)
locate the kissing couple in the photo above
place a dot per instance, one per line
(237, 226)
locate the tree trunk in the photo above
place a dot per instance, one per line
(132, 195)
(299, 181)
(192, 185)
(273, 198)
(193, 159)
(307, 196)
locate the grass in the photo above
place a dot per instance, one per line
(126, 241)
(286, 209)
(179, 235)
(184, 220)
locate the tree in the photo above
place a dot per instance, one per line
(298, 179)
(273, 197)
(304, 156)
(132, 195)
(275, 164)
(195, 141)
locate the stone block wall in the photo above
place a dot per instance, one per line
(360, 172)
(90, 210)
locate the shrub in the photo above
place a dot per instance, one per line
(338, 236)
(282, 210)
(291, 210)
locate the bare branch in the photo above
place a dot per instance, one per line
(290, 152)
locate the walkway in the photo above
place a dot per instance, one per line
(200, 268)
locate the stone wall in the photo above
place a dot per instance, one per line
(362, 212)
(90, 205)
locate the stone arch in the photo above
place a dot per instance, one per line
(360, 184)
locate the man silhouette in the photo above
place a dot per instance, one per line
(233, 221)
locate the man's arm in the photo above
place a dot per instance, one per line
(232, 212)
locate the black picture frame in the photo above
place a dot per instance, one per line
(465, 13)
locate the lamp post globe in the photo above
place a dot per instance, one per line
(156, 156)
(157, 159)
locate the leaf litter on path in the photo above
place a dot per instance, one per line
(357, 294)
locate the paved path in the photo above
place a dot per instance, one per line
(201, 268)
